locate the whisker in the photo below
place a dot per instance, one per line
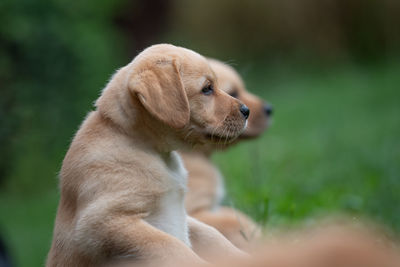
(222, 135)
(227, 136)
(235, 138)
(188, 134)
(212, 133)
(214, 130)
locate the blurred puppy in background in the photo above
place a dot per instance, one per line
(205, 184)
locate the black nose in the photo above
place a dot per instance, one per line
(245, 111)
(268, 110)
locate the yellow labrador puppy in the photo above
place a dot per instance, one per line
(205, 184)
(122, 185)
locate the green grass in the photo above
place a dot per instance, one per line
(334, 146)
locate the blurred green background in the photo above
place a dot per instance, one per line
(330, 67)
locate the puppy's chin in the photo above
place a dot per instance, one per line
(219, 140)
(206, 141)
(207, 138)
(211, 142)
(254, 131)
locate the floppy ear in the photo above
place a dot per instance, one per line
(161, 92)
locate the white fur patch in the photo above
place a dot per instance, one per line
(170, 216)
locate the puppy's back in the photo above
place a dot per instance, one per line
(97, 166)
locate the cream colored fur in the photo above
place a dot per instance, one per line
(122, 186)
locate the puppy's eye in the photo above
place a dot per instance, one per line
(234, 94)
(208, 90)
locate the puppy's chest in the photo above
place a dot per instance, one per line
(170, 214)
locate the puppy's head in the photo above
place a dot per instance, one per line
(231, 83)
(178, 90)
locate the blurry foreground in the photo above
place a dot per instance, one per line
(324, 245)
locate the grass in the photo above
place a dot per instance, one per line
(333, 147)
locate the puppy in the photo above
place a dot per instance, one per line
(205, 184)
(122, 185)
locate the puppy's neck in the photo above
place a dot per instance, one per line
(159, 136)
(203, 150)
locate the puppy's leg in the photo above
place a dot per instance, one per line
(234, 225)
(210, 244)
(130, 240)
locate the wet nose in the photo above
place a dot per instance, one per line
(268, 110)
(245, 111)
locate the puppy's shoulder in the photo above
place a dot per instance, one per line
(92, 138)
